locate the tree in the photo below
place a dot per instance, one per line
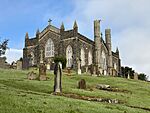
(142, 76)
(3, 47)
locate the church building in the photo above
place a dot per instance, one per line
(53, 41)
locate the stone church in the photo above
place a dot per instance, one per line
(76, 47)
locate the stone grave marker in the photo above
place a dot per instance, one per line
(58, 78)
(135, 76)
(19, 65)
(82, 84)
(42, 68)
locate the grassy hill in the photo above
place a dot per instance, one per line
(20, 95)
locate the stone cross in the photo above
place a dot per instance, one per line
(49, 22)
(79, 67)
(135, 76)
(58, 76)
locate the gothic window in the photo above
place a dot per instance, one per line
(115, 66)
(103, 61)
(49, 48)
(82, 57)
(89, 58)
(69, 56)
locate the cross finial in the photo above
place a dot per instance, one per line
(49, 21)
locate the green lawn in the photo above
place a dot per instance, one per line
(20, 95)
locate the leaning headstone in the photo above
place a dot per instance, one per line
(57, 79)
(79, 67)
(135, 76)
(82, 84)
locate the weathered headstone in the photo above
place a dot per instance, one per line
(86, 69)
(68, 71)
(94, 71)
(31, 75)
(128, 76)
(42, 72)
(57, 79)
(135, 76)
(19, 65)
(42, 68)
(82, 84)
(79, 67)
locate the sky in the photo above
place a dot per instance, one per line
(129, 21)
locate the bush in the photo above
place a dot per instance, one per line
(142, 76)
(61, 59)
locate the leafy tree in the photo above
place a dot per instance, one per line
(3, 47)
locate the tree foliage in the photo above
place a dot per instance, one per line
(142, 76)
(3, 47)
(61, 59)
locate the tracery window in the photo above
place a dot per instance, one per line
(49, 48)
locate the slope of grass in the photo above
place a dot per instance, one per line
(19, 95)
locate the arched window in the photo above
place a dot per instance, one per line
(69, 54)
(82, 57)
(103, 61)
(115, 66)
(89, 58)
(49, 48)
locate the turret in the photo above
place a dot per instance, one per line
(75, 28)
(62, 28)
(108, 44)
(26, 39)
(117, 51)
(97, 40)
(37, 34)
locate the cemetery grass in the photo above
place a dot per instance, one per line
(20, 95)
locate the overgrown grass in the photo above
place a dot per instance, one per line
(19, 95)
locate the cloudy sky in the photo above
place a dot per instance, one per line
(128, 19)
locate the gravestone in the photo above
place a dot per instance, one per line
(42, 72)
(128, 76)
(135, 76)
(94, 71)
(31, 75)
(86, 69)
(42, 68)
(79, 67)
(19, 65)
(57, 79)
(82, 84)
(68, 71)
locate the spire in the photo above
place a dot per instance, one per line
(75, 25)
(27, 36)
(38, 31)
(62, 27)
(117, 50)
